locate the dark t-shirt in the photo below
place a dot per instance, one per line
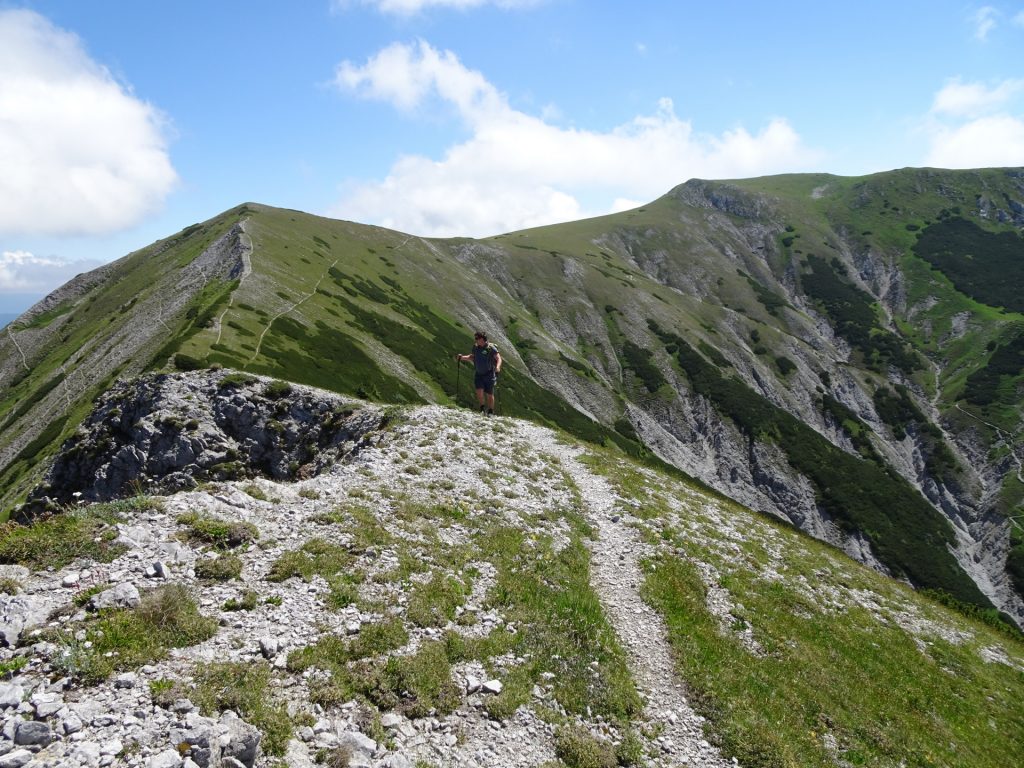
(484, 358)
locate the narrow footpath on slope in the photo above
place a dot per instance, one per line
(616, 577)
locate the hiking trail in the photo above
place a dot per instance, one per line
(616, 578)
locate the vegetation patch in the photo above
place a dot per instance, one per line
(167, 617)
(852, 312)
(577, 748)
(244, 688)
(638, 360)
(222, 534)
(316, 556)
(823, 691)
(987, 266)
(997, 380)
(221, 568)
(88, 532)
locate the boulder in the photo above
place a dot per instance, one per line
(124, 595)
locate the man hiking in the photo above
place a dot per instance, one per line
(487, 362)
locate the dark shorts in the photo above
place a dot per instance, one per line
(485, 381)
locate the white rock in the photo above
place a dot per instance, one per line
(46, 704)
(359, 743)
(492, 686)
(15, 759)
(71, 724)
(10, 695)
(112, 747)
(391, 720)
(126, 680)
(169, 758)
(71, 580)
(87, 753)
(269, 647)
(124, 595)
(472, 684)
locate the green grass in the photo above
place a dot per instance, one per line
(226, 567)
(316, 556)
(166, 617)
(86, 532)
(828, 673)
(825, 674)
(222, 534)
(561, 626)
(245, 689)
(433, 603)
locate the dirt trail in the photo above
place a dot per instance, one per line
(616, 577)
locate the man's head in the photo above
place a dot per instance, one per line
(480, 338)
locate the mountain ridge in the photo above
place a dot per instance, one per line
(731, 270)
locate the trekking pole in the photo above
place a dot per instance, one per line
(458, 372)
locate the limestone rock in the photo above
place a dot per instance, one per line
(124, 595)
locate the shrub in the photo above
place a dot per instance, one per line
(236, 380)
(277, 389)
(223, 568)
(576, 748)
(785, 365)
(185, 362)
(248, 601)
(316, 556)
(223, 534)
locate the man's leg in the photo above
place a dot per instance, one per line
(490, 400)
(480, 396)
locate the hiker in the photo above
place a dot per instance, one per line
(487, 362)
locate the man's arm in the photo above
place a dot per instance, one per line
(497, 361)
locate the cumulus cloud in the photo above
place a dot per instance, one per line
(974, 125)
(988, 142)
(24, 272)
(411, 7)
(517, 170)
(971, 99)
(79, 153)
(984, 21)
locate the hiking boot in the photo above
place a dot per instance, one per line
(490, 411)
(483, 408)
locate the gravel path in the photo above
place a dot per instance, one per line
(616, 578)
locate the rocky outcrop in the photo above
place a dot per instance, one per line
(170, 432)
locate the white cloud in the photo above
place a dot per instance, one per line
(79, 153)
(970, 99)
(1018, 20)
(24, 272)
(516, 170)
(411, 7)
(987, 142)
(984, 21)
(973, 125)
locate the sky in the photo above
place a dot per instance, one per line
(122, 122)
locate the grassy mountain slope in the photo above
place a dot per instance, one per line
(792, 341)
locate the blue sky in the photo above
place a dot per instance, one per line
(122, 122)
